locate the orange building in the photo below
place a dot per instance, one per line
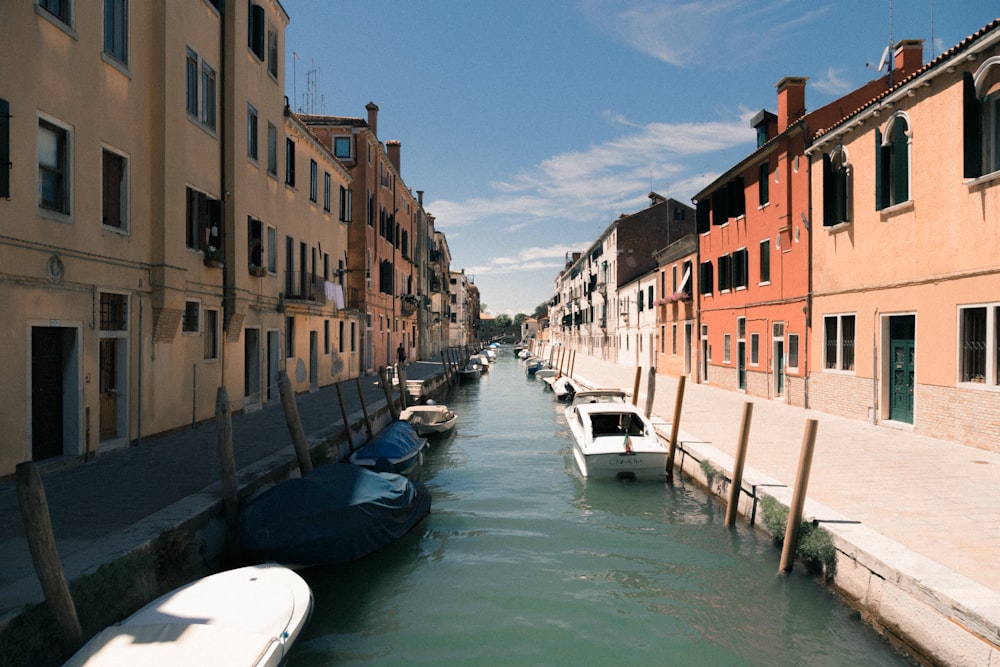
(906, 250)
(676, 308)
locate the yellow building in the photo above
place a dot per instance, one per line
(170, 227)
(906, 251)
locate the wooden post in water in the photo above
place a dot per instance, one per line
(572, 363)
(227, 462)
(675, 426)
(404, 392)
(364, 406)
(650, 390)
(741, 455)
(635, 386)
(347, 421)
(444, 369)
(383, 375)
(42, 544)
(798, 499)
(294, 423)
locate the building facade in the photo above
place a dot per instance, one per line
(906, 251)
(676, 309)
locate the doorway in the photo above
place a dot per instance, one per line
(273, 357)
(902, 351)
(55, 392)
(251, 367)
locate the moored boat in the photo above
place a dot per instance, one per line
(335, 514)
(397, 448)
(471, 371)
(248, 616)
(613, 439)
(430, 419)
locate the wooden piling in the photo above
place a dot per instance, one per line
(383, 375)
(364, 407)
(798, 499)
(294, 423)
(347, 421)
(404, 392)
(650, 390)
(675, 426)
(227, 463)
(741, 455)
(42, 544)
(572, 363)
(635, 386)
(444, 369)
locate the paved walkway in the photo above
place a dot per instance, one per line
(108, 506)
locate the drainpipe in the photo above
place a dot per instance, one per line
(874, 368)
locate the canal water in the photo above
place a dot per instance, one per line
(524, 562)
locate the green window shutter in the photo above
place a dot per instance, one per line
(900, 162)
(972, 129)
(880, 167)
(4, 148)
(256, 37)
(701, 215)
(829, 203)
(840, 195)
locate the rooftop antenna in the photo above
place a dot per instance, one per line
(933, 46)
(295, 95)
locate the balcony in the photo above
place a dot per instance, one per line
(305, 286)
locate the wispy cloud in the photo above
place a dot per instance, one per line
(832, 82)
(550, 258)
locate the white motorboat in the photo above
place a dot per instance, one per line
(250, 616)
(613, 439)
(545, 373)
(563, 387)
(430, 419)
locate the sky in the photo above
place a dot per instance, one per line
(531, 125)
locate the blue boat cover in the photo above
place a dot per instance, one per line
(335, 514)
(396, 441)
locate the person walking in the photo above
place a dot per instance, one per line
(401, 354)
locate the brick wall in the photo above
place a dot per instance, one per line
(968, 416)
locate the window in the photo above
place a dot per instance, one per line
(326, 191)
(272, 51)
(765, 261)
(346, 204)
(4, 148)
(740, 269)
(211, 334)
(53, 167)
(892, 164)
(272, 149)
(649, 296)
(60, 9)
(371, 209)
(289, 337)
(289, 162)
(255, 31)
(272, 250)
(979, 345)
(340, 336)
(705, 276)
(326, 336)
(114, 312)
(754, 349)
(981, 120)
(342, 147)
(251, 132)
(727, 345)
(725, 273)
(838, 336)
(116, 30)
(353, 337)
(673, 339)
(204, 220)
(836, 188)
(192, 83)
(207, 96)
(255, 243)
(793, 351)
(313, 178)
(190, 323)
(114, 203)
(763, 185)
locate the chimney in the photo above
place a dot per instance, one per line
(908, 57)
(791, 100)
(373, 117)
(392, 148)
(420, 197)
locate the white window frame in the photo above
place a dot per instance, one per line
(991, 377)
(65, 213)
(838, 363)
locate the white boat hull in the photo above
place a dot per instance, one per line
(639, 466)
(615, 441)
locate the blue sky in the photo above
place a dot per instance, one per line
(530, 125)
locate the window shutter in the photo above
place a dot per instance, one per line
(720, 215)
(880, 167)
(701, 215)
(739, 197)
(841, 195)
(900, 162)
(971, 126)
(4, 148)
(829, 203)
(256, 37)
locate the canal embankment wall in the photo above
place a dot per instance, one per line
(911, 519)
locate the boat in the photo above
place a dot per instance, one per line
(397, 448)
(563, 387)
(533, 365)
(250, 616)
(545, 373)
(337, 513)
(471, 371)
(430, 419)
(483, 361)
(613, 439)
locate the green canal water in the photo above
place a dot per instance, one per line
(523, 562)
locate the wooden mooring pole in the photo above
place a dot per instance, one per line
(294, 423)
(675, 427)
(364, 407)
(347, 421)
(42, 543)
(404, 392)
(741, 455)
(798, 499)
(383, 375)
(635, 386)
(650, 391)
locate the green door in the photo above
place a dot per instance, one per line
(741, 361)
(901, 354)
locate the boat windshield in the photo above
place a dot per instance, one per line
(616, 423)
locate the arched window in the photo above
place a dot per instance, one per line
(892, 163)
(982, 119)
(836, 187)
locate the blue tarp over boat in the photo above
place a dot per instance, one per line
(335, 514)
(396, 448)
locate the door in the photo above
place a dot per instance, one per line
(273, 341)
(902, 349)
(779, 367)
(687, 348)
(741, 360)
(47, 363)
(109, 389)
(313, 360)
(251, 366)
